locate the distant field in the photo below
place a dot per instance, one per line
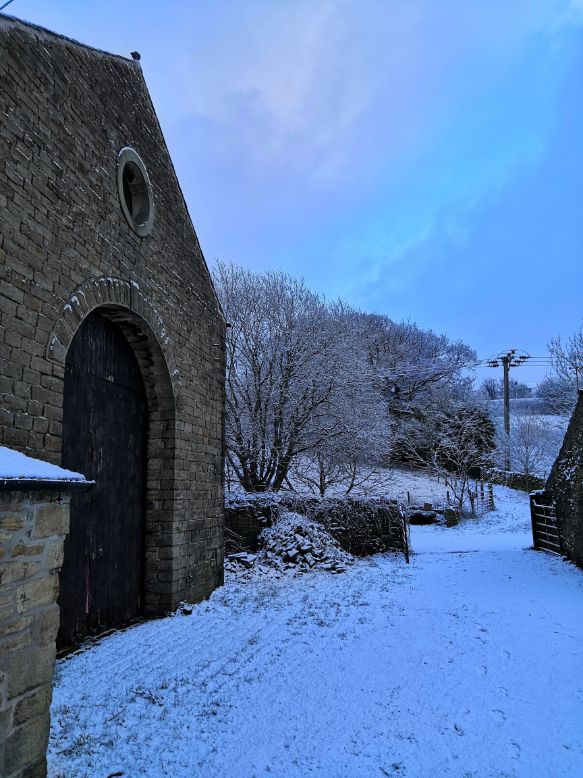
(551, 430)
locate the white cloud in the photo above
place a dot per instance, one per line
(314, 85)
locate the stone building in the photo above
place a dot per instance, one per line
(564, 487)
(111, 335)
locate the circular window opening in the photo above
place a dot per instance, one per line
(135, 191)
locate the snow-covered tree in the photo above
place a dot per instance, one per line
(533, 445)
(415, 361)
(557, 395)
(280, 351)
(452, 441)
(320, 388)
(567, 358)
(358, 437)
(491, 388)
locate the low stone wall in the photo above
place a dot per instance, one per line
(33, 525)
(518, 481)
(361, 526)
(364, 526)
(247, 518)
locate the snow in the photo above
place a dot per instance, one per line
(508, 527)
(418, 486)
(390, 483)
(467, 662)
(17, 466)
(294, 543)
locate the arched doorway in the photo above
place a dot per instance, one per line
(105, 423)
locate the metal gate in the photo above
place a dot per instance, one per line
(546, 533)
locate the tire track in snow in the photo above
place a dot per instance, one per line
(458, 664)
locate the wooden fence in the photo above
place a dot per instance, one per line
(546, 533)
(479, 496)
(482, 498)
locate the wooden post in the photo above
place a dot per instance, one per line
(532, 521)
(406, 538)
(506, 366)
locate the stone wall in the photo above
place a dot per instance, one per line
(518, 481)
(361, 525)
(66, 249)
(248, 519)
(565, 487)
(32, 530)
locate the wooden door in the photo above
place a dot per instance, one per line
(104, 437)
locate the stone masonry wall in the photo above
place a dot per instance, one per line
(66, 248)
(565, 486)
(33, 526)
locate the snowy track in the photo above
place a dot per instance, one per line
(467, 662)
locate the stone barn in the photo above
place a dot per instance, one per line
(564, 488)
(111, 336)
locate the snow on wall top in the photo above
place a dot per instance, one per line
(19, 467)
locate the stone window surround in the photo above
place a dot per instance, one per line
(142, 226)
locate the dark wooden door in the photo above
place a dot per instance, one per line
(104, 437)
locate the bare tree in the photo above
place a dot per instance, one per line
(317, 387)
(279, 373)
(491, 388)
(358, 428)
(414, 363)
(557, 395)
(532, 445)
(567, 359)
(461, 439)
(358, 440)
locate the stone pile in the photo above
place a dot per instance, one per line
(295, 543)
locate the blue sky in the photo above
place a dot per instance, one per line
(421, 158)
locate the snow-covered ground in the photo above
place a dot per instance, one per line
(413, 486)
(467, 662)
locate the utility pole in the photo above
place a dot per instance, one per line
(506, 366)
(510, 359)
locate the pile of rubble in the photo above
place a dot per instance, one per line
(297, 543)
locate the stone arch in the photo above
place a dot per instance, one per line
(110, 293)
(123, 303)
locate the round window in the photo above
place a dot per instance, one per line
(135, 191)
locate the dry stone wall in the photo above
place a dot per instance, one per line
(33, 525)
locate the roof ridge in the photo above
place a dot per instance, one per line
(13, 22)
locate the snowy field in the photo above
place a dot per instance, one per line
(394, 483)
(467, 662)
